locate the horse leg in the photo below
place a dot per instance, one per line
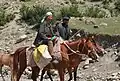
(48, 73)
(86, 65)
(2, 73)
(13, 75)
(35, 73)
(21, 70)
(43, 72)
(61, 73)
(75, 73)
(70, 73)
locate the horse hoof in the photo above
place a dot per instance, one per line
(91, 61)
(54, 72)
(85, 67)
(97, 60)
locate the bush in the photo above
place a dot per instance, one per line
(91, 11)
(117, 5)
(96, 12)
(95, 0)
(25, 0)
(33, 15)
(70, 11)
(73, 2)
(106, 1)
(4, 18)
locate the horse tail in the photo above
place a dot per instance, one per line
(16, 57)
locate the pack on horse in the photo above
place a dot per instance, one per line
(75, 50)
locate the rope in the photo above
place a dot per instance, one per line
(70, 48)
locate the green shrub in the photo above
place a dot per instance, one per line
(89, 11)
(96, 12)
(25, 0)
(33, 15)
(4, 18)
(95, 0)
(71, 11)
(117, 5)
(73, 2)
(106, 1)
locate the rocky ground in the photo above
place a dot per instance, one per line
(104, 70)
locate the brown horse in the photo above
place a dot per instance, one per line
(20, 58)
(59, 66)
(7, 59)
(75, 50)
(86, 48)
(19, 62)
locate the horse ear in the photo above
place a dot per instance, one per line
(87, 39)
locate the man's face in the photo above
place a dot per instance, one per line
(49, 18)
(66, 21)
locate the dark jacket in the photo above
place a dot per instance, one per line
(64, 31)
(44, 32)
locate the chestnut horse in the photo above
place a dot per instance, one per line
(7, 59)
(20, 58)
(75, 50)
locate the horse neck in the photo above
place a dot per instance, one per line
(74, 45)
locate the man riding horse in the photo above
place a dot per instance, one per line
(64, 29)
(45, 33)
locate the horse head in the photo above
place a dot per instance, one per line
(87, 47)
(99, 49)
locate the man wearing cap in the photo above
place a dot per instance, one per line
(45, 32)
(63, 28)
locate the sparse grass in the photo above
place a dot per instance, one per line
(113, 26)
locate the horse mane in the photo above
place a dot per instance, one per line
(73, 42)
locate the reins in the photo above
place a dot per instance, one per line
(74, 52)
(70, 48)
